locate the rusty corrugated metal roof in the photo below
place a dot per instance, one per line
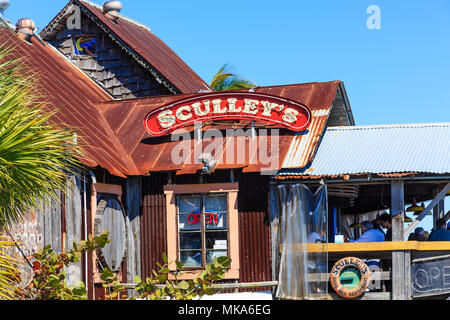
(153, 154)
(144, 46)
(63, 86)
(113, 135)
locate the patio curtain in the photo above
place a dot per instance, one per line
(299, 217)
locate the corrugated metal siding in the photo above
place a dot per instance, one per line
(153, 232)
(303, 145)
(421, 148)
(254, 231)
(254, 247)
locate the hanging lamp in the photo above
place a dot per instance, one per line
(414, 207)
(419, 211)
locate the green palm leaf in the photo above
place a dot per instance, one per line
(34, 152)
(226, 80)
(9, 272)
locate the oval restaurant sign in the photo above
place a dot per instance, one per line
(228, 105)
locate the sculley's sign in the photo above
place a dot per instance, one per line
(228, 105)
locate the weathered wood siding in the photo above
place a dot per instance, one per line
(54, 223)
(111, 66)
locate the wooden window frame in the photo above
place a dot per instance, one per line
(231, 190)
(203, 230)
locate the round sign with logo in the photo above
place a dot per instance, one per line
(350, 277)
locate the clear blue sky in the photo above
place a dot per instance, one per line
(398, 74)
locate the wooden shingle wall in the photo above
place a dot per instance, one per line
(111, 65)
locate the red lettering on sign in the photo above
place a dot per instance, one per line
(210, 218)
(229, 105)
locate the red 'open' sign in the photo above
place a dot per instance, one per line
(228, 105)
(210, 218)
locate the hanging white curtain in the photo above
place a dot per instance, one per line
(302, 218)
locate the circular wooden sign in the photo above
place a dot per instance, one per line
(350, 277)
(110, 216)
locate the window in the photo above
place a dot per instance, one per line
(202, 228)
(202, 223)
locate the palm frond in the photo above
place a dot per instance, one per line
(9, 271)
(226, 80)
(34, 152)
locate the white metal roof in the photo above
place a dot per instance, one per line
(422, 148)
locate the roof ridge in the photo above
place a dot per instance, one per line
(139, 24)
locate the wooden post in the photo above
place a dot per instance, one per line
(438, 212)
(133, 204)
(401, 274)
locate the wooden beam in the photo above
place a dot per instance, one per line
(377, 246)
(325, 277)
(399, 257)
(245, 285)
(433, 203)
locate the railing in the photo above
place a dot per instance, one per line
(226, 286)
(414, 252)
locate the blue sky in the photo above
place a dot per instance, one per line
(397, 74)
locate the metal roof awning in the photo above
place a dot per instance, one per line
(383, 150)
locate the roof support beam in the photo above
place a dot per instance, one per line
(433, 203)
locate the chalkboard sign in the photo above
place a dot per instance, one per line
(430, 276)
(110, 216)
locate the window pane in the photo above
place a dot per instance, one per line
(191, 258)
(211, 254)
(189, 221)
(215, 203)
(188, 204)
(190, 240)
(216, 240)
(216, 220)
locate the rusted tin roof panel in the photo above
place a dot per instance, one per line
(154, 154)
(60, 85)
(112, 133)
(152, 50)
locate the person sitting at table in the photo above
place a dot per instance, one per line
(417, 235)
(386, 222)
(440, 233)
(369, 234)
(318, 237)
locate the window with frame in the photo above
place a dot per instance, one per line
(202, 228)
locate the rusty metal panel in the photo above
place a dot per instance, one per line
(61, 85)
(110, 133)
(153, 232)
(153, 154)
(254, 247)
